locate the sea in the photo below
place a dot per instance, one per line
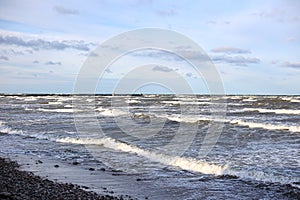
(164, 146)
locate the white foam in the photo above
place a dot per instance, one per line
(111, 112)
(186, 102)
(30, 99)
(287, 98)
(185, 119)
(132, 101)
(171, 102)
(56, 110)
(249, 100)
(193, 119)
(266, 126)
(262, 176)
(55, 103)
(295, 100)
(176, 161)
(191, 99)
(90, 100)
(185, 163)
(277, 111)
(8, 130)
(68, 106)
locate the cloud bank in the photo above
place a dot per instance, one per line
(37, 44)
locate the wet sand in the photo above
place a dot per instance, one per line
(18, 184)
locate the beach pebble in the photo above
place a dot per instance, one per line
(75, 163)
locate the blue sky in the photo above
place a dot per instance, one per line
(254, 44)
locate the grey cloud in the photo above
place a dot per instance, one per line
(12, 52)
(277, 14)
(291, 39)
(93, 54)
(230, 50)
(295, 65)
(143, 2)
(52, 63)
(29, 51)
(169, 56)
(211, 22)
(36, 62)
(236, 60)
(4, 58)
(65, 11)
(108, 71)
(166, 13)
(189, 74)
(157, 54)
(38, 44)
(274, 62)
(162, 69)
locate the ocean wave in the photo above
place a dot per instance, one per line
(54, 103)
(186, 163)
(132, 101)
(277, 111)
(266, 126)
(249, 100)
(111, 112)
(184, 119)
(176, 161)
(262, 176)
(194, 119)
(291, 99)
(68, 106)
(62, 110)
(5, 129)
(187, 102)
(295, 100)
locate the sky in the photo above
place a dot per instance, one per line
(253, 44)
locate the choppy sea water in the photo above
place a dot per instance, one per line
(257, 155)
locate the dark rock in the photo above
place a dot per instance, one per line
(75, 163)
(91, 169)
(56, 166)
(5, 195)
(102, 169)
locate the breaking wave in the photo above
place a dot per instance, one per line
(266, 126)
(8, 130)
(186, 163)
(176, 161)
(277, 111)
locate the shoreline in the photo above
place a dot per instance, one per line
(18, 184)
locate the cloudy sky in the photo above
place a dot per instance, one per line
(254, 44)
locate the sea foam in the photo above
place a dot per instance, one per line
(176, 161)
